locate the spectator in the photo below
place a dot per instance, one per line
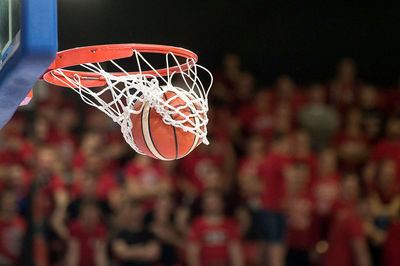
(319, 119)
(343, 89)
(213, 238)
(301, 221)
(388, 147)
(286, 92)
(12, 229)
(347, 244)
(257, 116)
(302, 153)
(226, 79)
(134, 244)
(352, 145)
(391, 254)
(86, 244)
(145, 179)
(248, 177)
(272, 221)
(372, 114)
(385, 199)
(161, 224)
(326, 186)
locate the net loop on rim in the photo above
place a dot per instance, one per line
(119, 94)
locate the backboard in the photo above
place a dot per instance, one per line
(28, 46)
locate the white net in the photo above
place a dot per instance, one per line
(123, 91)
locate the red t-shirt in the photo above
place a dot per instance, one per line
(325, 192)
(22, 155)
(44, 199)
(106, 183)
(391, 252)
(302, 229)
(346, 227)
(386, 149)
(249, 166)
(11, 234)
(147, 176)
(256, 121)
(195, 166)
(214, 240)
(86, 239)
(274, 183)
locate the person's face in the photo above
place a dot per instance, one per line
(41, 128)
(262, 100)
(213, 204)
(136, 213)
(317, 94)
(298, 177)
(212, 178)
(67, 118)
(354, 117)
(90, 215)
(256, 145)
(349, 188)
(285, 86)
(89, 187)
(393, 128)
(163, 208)
(246, 84)
(91, 142)
(372, 127)
(388, 173)
(328, 161)
(95, 162)
(368, 97)
(231, 62)
(46, 159)
(347, 69)
(9, 203)
(302, 141)
(15, 176)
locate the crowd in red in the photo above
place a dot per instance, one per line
(293, 176)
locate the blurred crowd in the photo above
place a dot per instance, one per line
(293, 175)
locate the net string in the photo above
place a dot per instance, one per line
(124, 91)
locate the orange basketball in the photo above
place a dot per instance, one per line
(159, 140)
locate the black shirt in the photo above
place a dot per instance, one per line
(134, 238)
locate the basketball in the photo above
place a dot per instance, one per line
(159, 140)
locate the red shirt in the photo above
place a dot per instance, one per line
(325, 193)
(391, 254)
(149, 175)
(302, 230)
(214, 240)
(345, 229)
(271, 174)
(256, 121)
(22, 155)
(106, 183)
(86, 239)
(195, 166)
(386, 149)
(44, 199)
(11, 234)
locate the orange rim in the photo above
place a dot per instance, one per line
(103, 53)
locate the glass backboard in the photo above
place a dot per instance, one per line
(28, 46)
(10, 25)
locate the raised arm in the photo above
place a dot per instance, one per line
(145, 252)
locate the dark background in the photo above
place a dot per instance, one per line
(302, 38)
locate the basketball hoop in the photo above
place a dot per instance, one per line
(115, 93)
